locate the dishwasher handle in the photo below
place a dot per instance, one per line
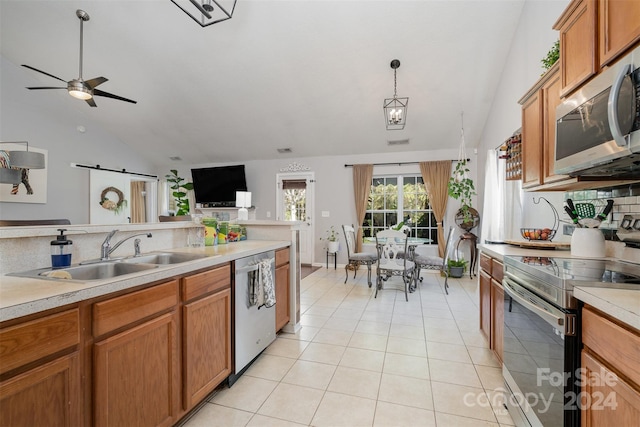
(253, 267)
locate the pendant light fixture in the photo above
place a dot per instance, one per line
(207, 12)
(395, 109)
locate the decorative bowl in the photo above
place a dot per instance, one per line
(543, 234)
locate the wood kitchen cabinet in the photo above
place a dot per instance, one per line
(610, 358)
(136, 361)
(206, 333)
(539, 131)
(492, 302)
(618, 27)
(282, 288)
(46, 387)
(578, 56)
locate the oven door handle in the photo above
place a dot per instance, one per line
(530, 304)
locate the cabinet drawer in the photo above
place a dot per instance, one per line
(620, 347)
(282, 257)
(120, 311)
(497, 270)
(33, 340)
(485, 263)
(207, 282)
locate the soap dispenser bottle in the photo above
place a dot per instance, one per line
(61, 251)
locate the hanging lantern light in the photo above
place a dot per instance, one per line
(395, 109)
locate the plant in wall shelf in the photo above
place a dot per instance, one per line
(180, 188)
(461, 187)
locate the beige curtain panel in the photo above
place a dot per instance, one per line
(138, 209)
(436, 181)
(362, 176)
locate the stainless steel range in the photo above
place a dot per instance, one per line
(541, 358)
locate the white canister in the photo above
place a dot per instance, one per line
(587, 243)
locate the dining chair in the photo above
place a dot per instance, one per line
(389, 244)
(435, 262)
(356, 258)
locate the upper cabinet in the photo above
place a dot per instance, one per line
(593, 33)
(618, 27)
(577, 27)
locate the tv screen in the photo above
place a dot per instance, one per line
(217, 186)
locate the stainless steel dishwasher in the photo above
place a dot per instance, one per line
(254, 326)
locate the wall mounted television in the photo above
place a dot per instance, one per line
(217, 186)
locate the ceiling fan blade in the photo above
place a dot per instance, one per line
(97, 92)
(43, 72)
(91, 102)
(45, 87)
(97, 81)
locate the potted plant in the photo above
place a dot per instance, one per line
(461, 187)
(180, 188)
(332, 240)
(456, 267)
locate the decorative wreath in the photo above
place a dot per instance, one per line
(110, 204)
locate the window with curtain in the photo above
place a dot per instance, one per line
(395, 199)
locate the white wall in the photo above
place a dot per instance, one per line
(531, 42)
(49, 120)
(334, 187)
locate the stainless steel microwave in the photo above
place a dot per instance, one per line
(598, 127)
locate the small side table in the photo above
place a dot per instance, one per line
(335, 259)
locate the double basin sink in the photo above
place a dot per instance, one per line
(108, 269)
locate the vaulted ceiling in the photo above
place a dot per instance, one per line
(310, 75)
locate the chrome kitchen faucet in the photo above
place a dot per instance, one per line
(106, 248)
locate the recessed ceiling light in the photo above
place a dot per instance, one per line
(398, 142)
(284, 150)
(175, 158)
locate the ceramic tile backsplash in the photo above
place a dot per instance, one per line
(625, 201)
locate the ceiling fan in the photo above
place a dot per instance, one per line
(80, 88)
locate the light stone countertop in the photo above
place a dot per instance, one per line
(21, 296)
(621, 304)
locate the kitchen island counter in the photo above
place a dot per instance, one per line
(21, 296)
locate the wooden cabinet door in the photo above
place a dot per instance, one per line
(577, 44)
(48, 395)
(618, 26)
(136, 375)
(206, 335)
(282, 296)
(532, 141)
(485, 304)
(607, 399)
(497, 318)
(551, 99)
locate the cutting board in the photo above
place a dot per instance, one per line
(539, 244)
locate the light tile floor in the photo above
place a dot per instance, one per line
(365, 361)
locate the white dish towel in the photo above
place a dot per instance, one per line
(266, 287)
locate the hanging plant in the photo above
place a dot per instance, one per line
(116, 206)
(180, 188)
(461, 188)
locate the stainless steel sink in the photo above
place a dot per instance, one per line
(163, 258)
(98, 271)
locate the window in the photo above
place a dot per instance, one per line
(390, 203)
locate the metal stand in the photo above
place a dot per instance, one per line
(335, 259)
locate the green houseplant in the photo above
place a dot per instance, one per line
(456, 267)
(461, 188)
(552, 56)
(180, 188)
(332, 239)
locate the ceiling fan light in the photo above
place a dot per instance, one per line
(79, 90)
